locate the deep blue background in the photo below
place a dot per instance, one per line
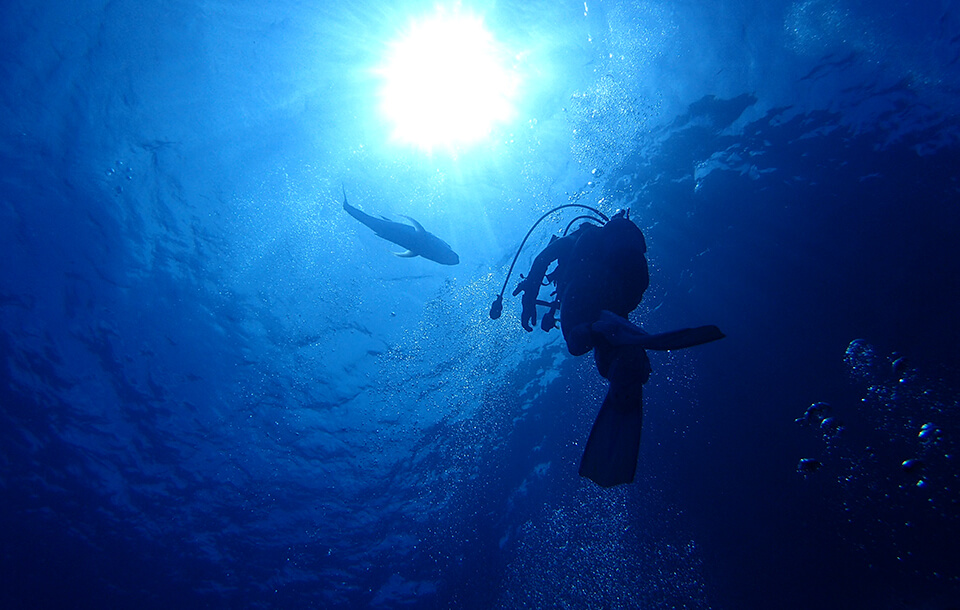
(219, 391)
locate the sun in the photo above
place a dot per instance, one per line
(446, 83)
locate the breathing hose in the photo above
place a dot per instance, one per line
(496, 308)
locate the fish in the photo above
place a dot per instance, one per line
(417, 240)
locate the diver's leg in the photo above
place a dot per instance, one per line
(579, 338)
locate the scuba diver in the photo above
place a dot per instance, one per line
(600, 277)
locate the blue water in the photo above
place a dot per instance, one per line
(220, 391)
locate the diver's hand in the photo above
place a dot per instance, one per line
(549, 321)
(521, 286)
(528, 311)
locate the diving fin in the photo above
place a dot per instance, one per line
(610, 456)
(619, 331)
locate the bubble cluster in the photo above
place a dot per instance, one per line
(861, 359)
(619, 105)
(815, 26)
(603, 117)
(117, 174)
(895, 466)
(819, 415)
(929, 434)
(591, 552)
(808, 466)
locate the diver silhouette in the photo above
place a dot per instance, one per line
(600, 277)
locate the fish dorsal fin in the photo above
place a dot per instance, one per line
(416, 224)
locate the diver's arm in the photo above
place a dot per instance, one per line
(530, 285)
